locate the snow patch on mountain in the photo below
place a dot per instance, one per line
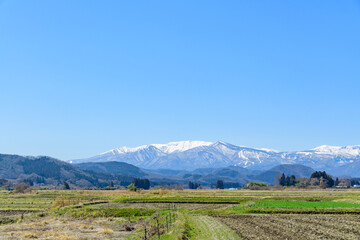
(335, 150)
(268, 150)
(124, 150)
(172, 147)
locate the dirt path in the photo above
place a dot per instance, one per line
(209, 228)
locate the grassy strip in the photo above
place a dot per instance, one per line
(208, 228)
(7, 220)
(179, 230)
(105, 212)
(303, 204)
(247, 208)
(204, 200)
(302, 211)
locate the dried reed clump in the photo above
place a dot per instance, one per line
(38, 224)
(30, 235)
(160, 192)
(66, 237)
(86, 226)
(63, 202)
(58, 236)
(11, 233)
(106, 231)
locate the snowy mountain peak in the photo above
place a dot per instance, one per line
(335, 150)
(189, 155)
(122, 150)
(224, 144)
(268, 150)
(170, 147)
(182, 146)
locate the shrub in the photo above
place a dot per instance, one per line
(22, 187)
(132, 188)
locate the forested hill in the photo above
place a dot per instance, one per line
(50, 171)
(112, 167)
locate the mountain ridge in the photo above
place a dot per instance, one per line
(189, 155)
(51, 171)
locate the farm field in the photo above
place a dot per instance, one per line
(180, 214)
(294, 226)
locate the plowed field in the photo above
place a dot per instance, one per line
(294, 226)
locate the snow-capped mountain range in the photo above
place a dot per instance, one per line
(190, 155)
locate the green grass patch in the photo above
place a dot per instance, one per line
(203, 200)
(302, 211)
(293, 207)
(208, 228)
(302, 204)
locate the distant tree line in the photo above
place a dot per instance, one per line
(28, 181)
(317, 178)
(3, 182)
(193, 185)
(346, 183)
(287, 180)
(321, 179)
(231, 185)
(219, 184)
(40, 180)
(141, 183)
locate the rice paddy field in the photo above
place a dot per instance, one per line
(181, 214)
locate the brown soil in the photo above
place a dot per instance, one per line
(290, 227)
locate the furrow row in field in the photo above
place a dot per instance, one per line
(315, 228)
(291, 227)
(340, 224)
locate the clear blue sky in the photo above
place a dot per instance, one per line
(81, 77)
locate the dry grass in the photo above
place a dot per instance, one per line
(38, 224)
(30, 235)
(66, 237)
(63, 202)
(85, 226)
(57, 228)
(106, 231)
